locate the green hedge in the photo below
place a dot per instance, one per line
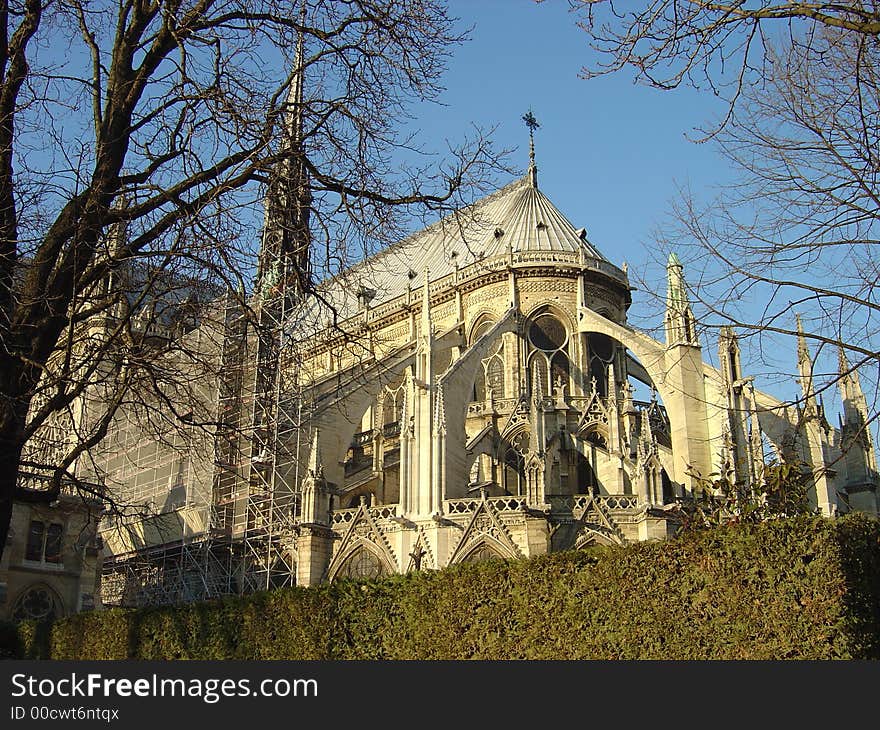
(805, 588)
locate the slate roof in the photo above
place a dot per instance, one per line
(517, 218)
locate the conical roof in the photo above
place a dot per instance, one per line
(528, 221)
(517, 219)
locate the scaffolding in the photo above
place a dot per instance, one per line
(250, 543)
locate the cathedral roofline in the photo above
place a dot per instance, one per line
(516, 227)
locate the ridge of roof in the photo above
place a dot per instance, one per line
(517, 217)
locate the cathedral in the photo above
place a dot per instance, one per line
(467, 394)
(473, 392)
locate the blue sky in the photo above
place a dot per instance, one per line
(609, 152)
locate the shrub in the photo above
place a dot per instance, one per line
(797, 588)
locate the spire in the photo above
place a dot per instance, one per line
(315, 468)
(532, 124)
(728, 355)
(802, 350)
(680, 329)
(284, 261)
(293, 116)
(805, 368)
(675, 288)
(855, 422)
(855, 406)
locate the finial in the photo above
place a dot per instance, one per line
(802, 349)
(532, 124)
(843, 367)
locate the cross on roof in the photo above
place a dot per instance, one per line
(532, 124)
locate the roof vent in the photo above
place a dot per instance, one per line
(365, 296)
(499, 232)
(411, 274)
(582, 233)
(541, 225)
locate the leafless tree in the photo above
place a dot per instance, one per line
(136, 141)
(797, 228)
(714, 45)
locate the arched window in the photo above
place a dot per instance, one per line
(392, 407)
(513, 475)
(38, 603)
(601, 356)
(362, 564)
(549, 359)
(481, 555)
(493, 367)
(491, 373)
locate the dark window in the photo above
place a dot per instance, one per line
(44, 542)
(53, 543)
(34, 550)
(547, 333)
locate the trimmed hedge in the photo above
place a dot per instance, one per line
(804, 588)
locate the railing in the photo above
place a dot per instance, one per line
(499, 263)
(361, 438)
(345, 516)
(390, 430)
(42, 482)
(468, 505)
(579, 502)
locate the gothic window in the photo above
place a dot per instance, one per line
(587, 483)
(37, 603)
(513, 475)
(549, 359)
(666, 487)
(559, 369)
(689, 333)
(481, 554)
(44, 542)
(601, 356)
(494, 378)
(491, 372)
(392, 409)
(362, 564)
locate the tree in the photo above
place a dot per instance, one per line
(136, 138)
(797, 229)
(719, 45)
(783, 491)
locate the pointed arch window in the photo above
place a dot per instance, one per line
(490, 375)
(362, 564)
(481, 555)
(37, 603)
(513, 463)
(601, 357)
(549, 358)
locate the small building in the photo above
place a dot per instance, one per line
(51, 564)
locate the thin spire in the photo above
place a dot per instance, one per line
(802, 349)
(843, 367)
(805, 367)
(532, 124)
(284, 261)
(293, 122)
(315, 468)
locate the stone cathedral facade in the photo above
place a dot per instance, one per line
(484, 405)
(473, 392)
